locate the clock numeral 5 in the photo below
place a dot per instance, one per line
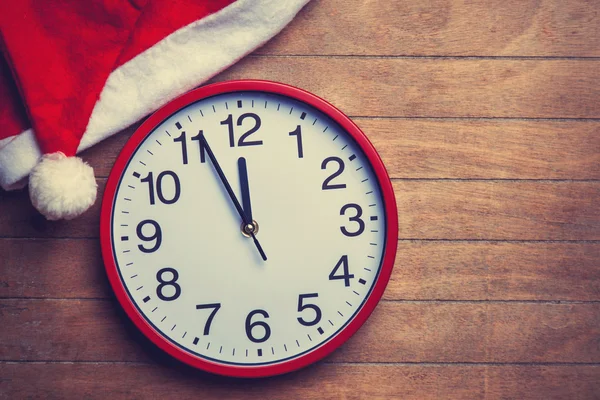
(159, 187)
(336, 160)
(163, 283)
(156, 236)
(314, 307)
(184, 154)
(251, 325)
(241, 141)
(346, 276)
(215, 307)
(356, 218)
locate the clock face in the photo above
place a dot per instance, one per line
(248, 228)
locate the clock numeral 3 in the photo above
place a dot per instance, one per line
(326, 185)
(159, 187)
(251, 325)
(356, 218)
(314, 307)
(241, 141)
(346, 276)
(298, 133)
(184, 155)
(215, 307)
(156, 236)
(164, 283)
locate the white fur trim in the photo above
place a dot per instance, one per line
(176, 64)
(62, 187)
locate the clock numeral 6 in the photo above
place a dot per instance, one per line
(346, 276)
(241, 141)
(314, 307)
(336, 160)
(215, 307)
(251, 325)
(156, 236)
(165, 283)
(159, 187)
(356, 218)
(184, 154)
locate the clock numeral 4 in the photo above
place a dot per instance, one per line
(346, 275)
(356, 218)
(215, 307)
(251, 325)
(172, 282)
(241, 141)
(159, 187)
(314, 307)
(156, 236)
(184, 153)
(298, 133)
(340, 163)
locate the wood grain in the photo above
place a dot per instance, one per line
(96, 330)
(457, 149)
(432, 87)
(322, 381)
(440, 270)
(498, 210)
(443, 28)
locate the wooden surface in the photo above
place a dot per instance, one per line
(487, 115)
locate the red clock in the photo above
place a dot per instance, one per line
(249, 228)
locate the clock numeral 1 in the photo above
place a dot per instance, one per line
(251, 325)
(241, 141)
(163, 283)
(298, 133)
(184, 155)
(215, 307)
(156, 236)
(346, 276)
(159, 187)
(314, 307)
(326, 184)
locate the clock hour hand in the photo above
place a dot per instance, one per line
(247, 221)
(245, 188)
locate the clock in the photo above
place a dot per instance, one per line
(248, 228)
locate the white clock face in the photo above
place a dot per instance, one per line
(198, 279)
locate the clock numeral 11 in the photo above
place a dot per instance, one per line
(184, 154)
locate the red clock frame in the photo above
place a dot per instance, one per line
(369, 304)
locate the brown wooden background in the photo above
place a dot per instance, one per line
(487, 115)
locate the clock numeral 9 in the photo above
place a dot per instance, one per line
(159, 187)
(356, 218)
(314, 307)
(184, 155)
(156, 236)
(241, 141)
(298, 133)
(215, 307)
(164, 283)
(251, 325)
(336, 160)
(346, 276)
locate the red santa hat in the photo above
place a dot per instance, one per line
(76, 72)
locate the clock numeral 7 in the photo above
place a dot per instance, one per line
(346, 276)
(215, 307)
(184, 153)
(149, 179)
(241, 141)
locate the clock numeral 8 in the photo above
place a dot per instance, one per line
(251, 325)
(156, 236)
(164, 283)
(159, 188)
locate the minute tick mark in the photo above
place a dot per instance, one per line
(336, 136)
(344, 147)
(359, 168)
(143, 163)
(149, 152)
(190, 118)
(165, 317)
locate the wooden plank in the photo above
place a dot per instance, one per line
(321, 381)
(96, 330)
(437, 270)
(433, 87)
(497, 210)
(464, 149)
(441, 27)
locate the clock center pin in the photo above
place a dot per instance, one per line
(249, 229)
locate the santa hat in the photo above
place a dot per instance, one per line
(76, 72)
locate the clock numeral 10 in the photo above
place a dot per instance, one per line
(184, 154)
(241, 141)
(346, 275)
(159, 187)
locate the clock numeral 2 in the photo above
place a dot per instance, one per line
(215, 307)
(156, 236)
(346, 276)
(164, 283)
(251, 325)
(159, 187)
(241, 141)
(314, 307)
(326, 184)
(184, 154)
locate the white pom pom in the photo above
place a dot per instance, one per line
(62, 187)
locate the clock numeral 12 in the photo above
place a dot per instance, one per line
(159, 187)
(241, 141)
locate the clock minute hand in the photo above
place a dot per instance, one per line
(232, 196)
(245, 188)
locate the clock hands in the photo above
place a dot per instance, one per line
(248, 224)
(245, 188)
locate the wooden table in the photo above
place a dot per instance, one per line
(487, 115)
